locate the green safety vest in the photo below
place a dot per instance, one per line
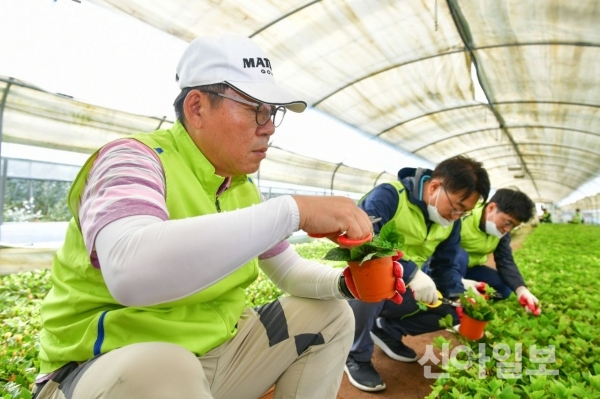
(576, 218)
(477, 243)
(81, 319)
(419, 243)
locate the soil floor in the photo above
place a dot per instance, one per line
(403, 380)
(407, 380)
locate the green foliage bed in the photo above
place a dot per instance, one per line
(20, 298)
(561, 264)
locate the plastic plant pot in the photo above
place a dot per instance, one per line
(470, 328)
(374, 279)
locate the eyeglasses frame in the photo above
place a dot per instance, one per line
(455, 211)
(272, 113)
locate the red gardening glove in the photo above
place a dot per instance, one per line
(400, 287)
(528, 301)
(478, 286)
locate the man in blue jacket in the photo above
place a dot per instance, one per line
(426, 207)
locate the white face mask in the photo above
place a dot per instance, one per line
(492, 229)
(435, 216)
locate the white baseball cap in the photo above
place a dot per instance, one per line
(238, 62)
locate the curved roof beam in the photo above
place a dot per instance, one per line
(464, 30)
(375, 73)
(584, 171)
(535, 144)
(508, 127)
(531, 176)
(592, 166)
(284, 16)
(388, 68)
(559, 183)
(486, 106)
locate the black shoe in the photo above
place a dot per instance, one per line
(392, 347)
(363, 375)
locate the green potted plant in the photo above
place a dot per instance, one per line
(371, 263)
(477, 311)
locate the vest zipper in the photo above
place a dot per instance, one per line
(217, 204)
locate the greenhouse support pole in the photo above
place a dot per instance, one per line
(3, 173)
(333, 177)
(3, 162)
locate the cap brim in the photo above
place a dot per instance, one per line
(269, 93)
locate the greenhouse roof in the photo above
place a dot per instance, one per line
(403, 73)
(32, 116)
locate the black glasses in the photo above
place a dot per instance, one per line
(455, 211)
(507, 223)
(264, 112)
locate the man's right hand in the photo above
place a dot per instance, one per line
(333, 215)
(423, 288)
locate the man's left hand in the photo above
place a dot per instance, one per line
(399, 284)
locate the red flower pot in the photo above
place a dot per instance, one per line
(374, 279)
(470, 328)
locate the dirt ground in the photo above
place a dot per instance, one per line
(407, 380)
(403, 380)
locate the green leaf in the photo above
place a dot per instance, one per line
(25, 394)
(476, 306)
(537, 395)
(339, 254)
(379, 247)
(390, 233)
(507, 393)
(367, 257)
(358, 253)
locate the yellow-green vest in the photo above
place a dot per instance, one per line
(477, 243)
(419, 243)
(81, 319)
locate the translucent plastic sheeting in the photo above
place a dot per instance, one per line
(591, 203)
(34, 117)
(401, 71)
(36, 170)
(284, 166)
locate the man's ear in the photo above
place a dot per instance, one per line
(429, 189)
(434, 184)
(193, 104)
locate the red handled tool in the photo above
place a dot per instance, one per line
(344, 241)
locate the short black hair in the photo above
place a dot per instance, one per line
(214, 99)
(463, 174)
(514, 203)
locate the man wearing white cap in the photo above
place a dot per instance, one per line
(168, 230)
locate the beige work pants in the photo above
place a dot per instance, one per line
(298, 344)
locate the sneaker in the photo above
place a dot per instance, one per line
(392, 347)
(363, 375)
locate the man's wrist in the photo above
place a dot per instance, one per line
(520, 290)
(343, 288)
